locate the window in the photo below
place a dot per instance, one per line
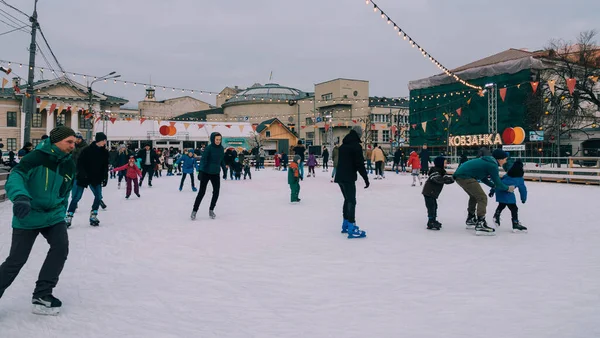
(11, 144)
(309, 121)
(310, 135)
(60, 120)
(83, 123)
(385, 134)
(374, 136)
(36, 122)
(35, 142)
(268, 133)
(11, 119)
(327, 97)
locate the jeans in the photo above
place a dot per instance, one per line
(76, 194)
(349, 207)
(97, 191)
(216, 185)
(333, 172)
(121, 175)
(301, 167)
(379, 168)
(21, 245)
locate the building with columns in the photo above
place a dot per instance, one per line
(69, 100)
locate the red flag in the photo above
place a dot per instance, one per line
(142, 120)
(503, 94)
(113, 119)
(88, 116)
(200, 125)
(98, 119)
(228, 126)
(326, 127)
(17, 89)
(52, 108)
(534, 86)
(459, 111)
(571, 85)
(172, 124)
(254, 127)
(37, 99)
(414, 126)
(373, 126)
(303, 127)
(353, 121)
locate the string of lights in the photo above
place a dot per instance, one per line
(414, 44)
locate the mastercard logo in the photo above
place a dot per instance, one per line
(514, 135)
(167, 130)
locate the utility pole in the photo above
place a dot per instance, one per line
(29, 103)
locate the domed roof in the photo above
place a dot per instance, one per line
(270, 92)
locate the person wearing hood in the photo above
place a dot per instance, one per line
(39, 188)
(208, 170)
(350, 162)
(325, 159)
(188, 164)
(513, 177)
(433, 188)
(415, 163)
(294, 179)
(228, 163)
(468, 175)
(149, 159)
(92, 172)
(80, 144)
(424, 160)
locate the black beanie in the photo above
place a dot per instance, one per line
(499, 154)
(516, 170)
(60, 133)
(100, 137)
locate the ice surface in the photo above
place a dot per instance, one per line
(266, 268)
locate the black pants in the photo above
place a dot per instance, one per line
(514, 210)
(325, 163)
(431, 204)
(183, 180)
(216, 185)
(22, 242)
(425, 168)
(379, 168)
(147, 169)
(247, 173)
(349, 208)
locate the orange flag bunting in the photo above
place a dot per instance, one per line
(480, 93)
(43, 105)
(142, 119)
(424, 126)
(186, 125)
(469, 101)
(446, 116)
(172, 124)
(228, 126)
(128, 119)
(88, 116)
(214, 126)
(503, 94)
(241, 126)
(459, 111)
(254, 127)
(592, 77)
(52, 107)
(534, 85)
(551, 84)
(60, 109)
(112, 120)
(200, 125)
(571, 85)
(4, 82)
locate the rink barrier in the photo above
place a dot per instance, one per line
(3, 179)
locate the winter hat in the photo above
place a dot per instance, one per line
(439, 161)
(499, 154)
(237, 159)
(79, 135)
(44, 137)
(60, 133)
(297, 158)
(100, 136)
(122, 146)
(516, 170)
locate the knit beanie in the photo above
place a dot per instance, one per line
(60, 133)
(516, 170)
(100, 137)
(499, 154)
(439, 161)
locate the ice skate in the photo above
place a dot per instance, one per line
(211, 214)
(345, 226)
(138, 195)
(194, 189)
(180, 188)
(69, 219)
(94, 221)
(433, 225)
(518, 227)
(47, 305)
(471, 222)
(355, 232)
(413, 184)
(119, 185)
(482, 229)
(438, 223)
(497, 219)
(193, 215)
(127, 197)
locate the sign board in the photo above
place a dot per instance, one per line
(475, 140)
(513, 147)
(536, 136)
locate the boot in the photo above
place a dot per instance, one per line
(517, 226)
(497, 218)
(211, 214)
(94, 221)
(47, 305)
(193, 215)
(432, 225)
(355, 232)
(482, 229)
(471, 221)
(194, 189)
(345, 226)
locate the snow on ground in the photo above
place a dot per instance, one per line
(265, 268)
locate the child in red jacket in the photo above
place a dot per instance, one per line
(415, 163)
(131, 176)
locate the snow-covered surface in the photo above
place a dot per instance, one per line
(265, 268)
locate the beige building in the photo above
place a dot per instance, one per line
(169, 108)
(69, 98)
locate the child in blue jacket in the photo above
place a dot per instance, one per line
(188, 164)
(513, 177)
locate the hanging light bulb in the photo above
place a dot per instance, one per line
(367, 2)
(374, 8)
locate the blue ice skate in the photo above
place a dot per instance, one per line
(355, 232)
(345, 226)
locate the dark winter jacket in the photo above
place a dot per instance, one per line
(45, 176)
(435, 183)
(77, 151)
(325, 155)
(397, 156)
(153, 157)
(481, 169)
(299, 150)
(424, 158)
(350, 160)
(284, 159)
(112, 157)
(92, 166)
(237, 167)
(335, 155)
(123, 158)
(211, 161)
(293, 173)
(228, 157)
(463, 159)
(188, 164)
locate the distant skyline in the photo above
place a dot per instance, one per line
(209, 45)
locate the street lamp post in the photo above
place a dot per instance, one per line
(110, 75)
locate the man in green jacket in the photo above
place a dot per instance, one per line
(39, 188)
(468, 175)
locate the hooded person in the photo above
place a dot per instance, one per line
(188, 164)
(513, 177)
(208, 170)
(350, 162)
(433, 187)
(468, 175)
(39, 188)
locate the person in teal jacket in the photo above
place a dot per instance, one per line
(208, 170)
(468, 175)
(513, 177)
(39, 188)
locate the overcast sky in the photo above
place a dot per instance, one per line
(207, 45)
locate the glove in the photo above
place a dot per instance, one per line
(104, 183)
(492, 192)
(21, 207)
(511, 188)
(448, 180)
(367, 184)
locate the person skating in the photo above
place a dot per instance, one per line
(112, 161)
(432, 189)
(334, 157)
(299, 150)
(247, 171)
(132, 176)
(210, 163)
(350, 162)
(149, 159)
(123, 156)
(92, 171)
(236, 168)
(513, 177)
(369, 155)
(284, 161)
(188, 163)
(397, 157)
(415, 164)
(378, 157)
(39, 188)
(294, 179)
(468, 175)
(424, 160)
(325, 159)
(311, 163)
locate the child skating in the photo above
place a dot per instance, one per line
(132, 176)
(513, 177)
(236, 168)
(294, 179)
(311, 163)
(187, 163)
(415, 163)
(432, 189)
(247, 171)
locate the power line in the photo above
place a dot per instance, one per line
(16, 9)
(12, 18)
(10, 31)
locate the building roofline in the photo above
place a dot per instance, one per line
(341, 78)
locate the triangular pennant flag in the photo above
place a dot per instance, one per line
(98, 119)
(383, 126)
(60, 109)
(4, 82)
(503, 93)
(172, 124)
(480, 93)
(241, 126)
(316, 126)
(459, 111)
(159, 121)
(326, 127)
(17, 89)
(347, 123)
(594, 78)
(186, 125)
(534, 86)
(112, 120)
(254, 126)
(43, 105)
(128, 119)
(339, 124)
(414, 126)
(228, 126)
(571, 82)
(373, 126)
(393, 129)
(469, 101)
(363, 125)
(52, 107)
(551, 84)
(354, 121)
(300, 127)
(445, 116)
(200, 125)
(214, 126)
(424, 126)
(89, 116)
(37, 99)
(142, 119)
